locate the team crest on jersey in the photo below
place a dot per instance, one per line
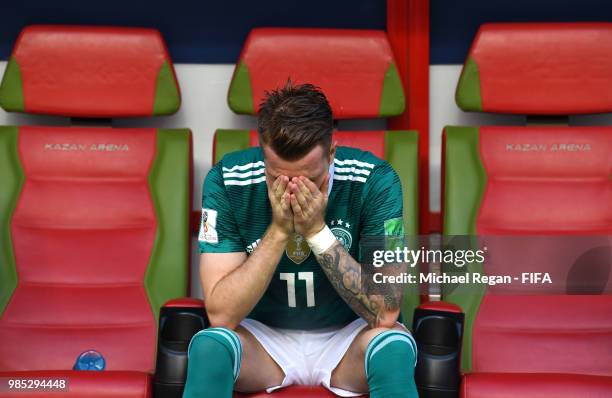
(341, 232)
(297, 249)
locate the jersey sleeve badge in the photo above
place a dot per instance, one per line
(208, 227)
(394, 227)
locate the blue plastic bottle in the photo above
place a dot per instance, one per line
(90, 360)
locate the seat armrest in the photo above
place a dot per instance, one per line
(184, 302)
(179, 320)
(438, 330)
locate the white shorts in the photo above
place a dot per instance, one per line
(307, 357)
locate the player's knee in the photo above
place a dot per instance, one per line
(397, 341)
(372, 333)
(389, 364)
(215, 344)
(200, 345)
(208, 340)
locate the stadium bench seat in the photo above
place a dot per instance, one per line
(94, 221)
(538, 185)
(356, 71)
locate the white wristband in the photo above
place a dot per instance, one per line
(321, 241)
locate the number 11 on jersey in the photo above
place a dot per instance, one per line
(308, 277)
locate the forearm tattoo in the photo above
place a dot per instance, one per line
(344, 273)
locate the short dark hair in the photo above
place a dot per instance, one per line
(294, 119)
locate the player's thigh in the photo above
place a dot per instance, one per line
(258, 370)
(350, 373)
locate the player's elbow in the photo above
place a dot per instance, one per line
(387, 319)
(385, 325)
(222, 320)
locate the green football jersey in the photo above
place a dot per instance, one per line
(365, 199)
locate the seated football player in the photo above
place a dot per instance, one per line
(279, 242)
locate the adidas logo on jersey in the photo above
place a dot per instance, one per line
(250, 248)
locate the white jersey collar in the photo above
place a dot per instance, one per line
(331, 178)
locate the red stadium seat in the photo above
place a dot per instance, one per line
(354, 68)
(94, 221)
(356, 71)
(525, 184)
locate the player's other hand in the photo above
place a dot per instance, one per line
(279, 196)
(308, 204)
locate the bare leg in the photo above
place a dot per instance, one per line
(258, 370)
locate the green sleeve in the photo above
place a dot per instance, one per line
(218, 229)
(382, 203)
